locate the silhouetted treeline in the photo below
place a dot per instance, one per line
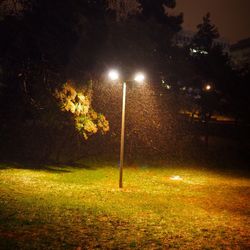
(45, 43)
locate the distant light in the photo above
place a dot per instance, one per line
(176, 178)
(166, 85)
(204, 52)
(199, 51)
(113, 75)
(139, 77)
(208, 87)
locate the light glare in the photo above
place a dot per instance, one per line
(208, 87)
(176, 178)
(113, 75)
(139, 77)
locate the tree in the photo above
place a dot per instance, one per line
(212, 65)
(143, 40)
(36, 50)
(207, 32)
(78, 103)
(156, 9)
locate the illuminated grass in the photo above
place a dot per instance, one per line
(66, 208)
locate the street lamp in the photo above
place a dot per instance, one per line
(208, 87)
(139, 77)
(114, 76)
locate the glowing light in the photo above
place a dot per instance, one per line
(113, 75)
(208, 87)
(139, 77)
(199, 51)
(176, 178)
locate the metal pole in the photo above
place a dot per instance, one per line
(122, 134)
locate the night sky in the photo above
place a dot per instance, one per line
(232, 17)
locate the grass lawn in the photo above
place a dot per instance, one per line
(83, 208)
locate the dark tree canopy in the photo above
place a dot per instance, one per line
(156, 9)
(46, 43)
(144, 40)
(206, 34)
(36, 57)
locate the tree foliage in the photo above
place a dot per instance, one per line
(87, 121)
(206, 34)
(156, 9)
(143, 41)
(46, 42)
(38, 52)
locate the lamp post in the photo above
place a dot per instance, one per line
(124, 87)
(114, 76)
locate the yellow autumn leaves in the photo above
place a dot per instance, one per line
(87, 120)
